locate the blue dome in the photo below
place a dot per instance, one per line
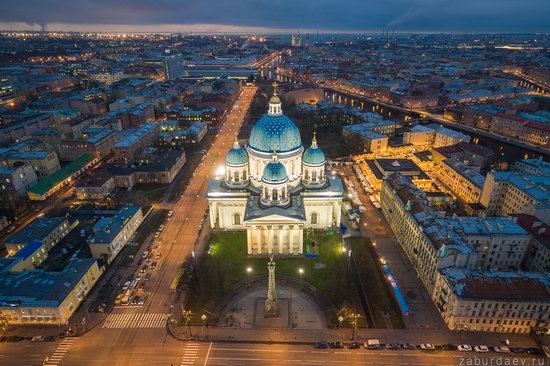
(236, 156)
(313, 156)
(275, 133)
(274, 172)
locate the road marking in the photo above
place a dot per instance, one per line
(190, 354)
(135, 320)
(60, 351)
(208, 353)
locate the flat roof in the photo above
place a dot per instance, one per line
(471, 225)
(135, 135)
(107, 228)
(39, 288)
(38, 229)
(46, 184)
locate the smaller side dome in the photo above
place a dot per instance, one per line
(313, 154)
(236, 155)
(274, 172)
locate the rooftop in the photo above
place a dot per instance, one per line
(134, 136)
(38, 229)
(107, 228)
(39, 288)
(465, 171)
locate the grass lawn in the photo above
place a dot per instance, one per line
(378, 293)
(226, 266)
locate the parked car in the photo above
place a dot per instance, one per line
(372, 344)
(119, 298)
(427, 347)
(393, 345)
(126, 285)
(518, 350)
(170, 213)
(481, 349)
(320, 345)
(135, 300)
(153, 265)
(534, 351)
(336, 345)
(354, 345)
(144, 268)
(145, 254)
(448, 347)
(141, 300)
(501, 349)
(38, 338)
(409, 346)
(147, 277)
(464, 348)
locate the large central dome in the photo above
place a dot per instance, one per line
(275, 133)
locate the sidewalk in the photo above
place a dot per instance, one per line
(303, 336)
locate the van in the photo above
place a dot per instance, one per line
(372, 344)
(125, 300)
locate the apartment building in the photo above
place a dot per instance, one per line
(465, 182)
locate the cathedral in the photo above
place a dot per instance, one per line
(274, 188)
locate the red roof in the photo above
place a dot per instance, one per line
(538, 229)
(538, 126)
(503, 288)
(511, 117)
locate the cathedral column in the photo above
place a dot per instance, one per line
(213, 213)
(300, 240)
(249, 239)
(338, 213)
(261, 239)
(290, 240)
(281, 238)
(270, 239)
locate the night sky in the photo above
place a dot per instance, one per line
(462, 16)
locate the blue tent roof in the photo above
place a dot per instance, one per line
(275, 133)
(313, 156)
(236, 156)
(274, 172)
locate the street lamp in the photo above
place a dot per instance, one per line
(301, 272)
(249, 271)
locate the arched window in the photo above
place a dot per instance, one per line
(314, 218)
(314, 175)
(283, 194)
(266, 193)
(236, 176)
(244, 175)
(275, 195)
(306, 174)
(236, 219)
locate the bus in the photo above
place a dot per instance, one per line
(176, 279)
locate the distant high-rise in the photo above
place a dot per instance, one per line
(173, 67)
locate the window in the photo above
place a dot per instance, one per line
(306, 175)
(236, 176)
(275, 195)
(314, 175)
(236, 219)
(314, 218)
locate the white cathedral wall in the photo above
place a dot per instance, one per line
(324, 211)
(226, 214)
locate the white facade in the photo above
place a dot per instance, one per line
(274, 188)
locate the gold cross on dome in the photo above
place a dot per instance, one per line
(274, 85)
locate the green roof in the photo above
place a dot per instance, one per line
(46, 184)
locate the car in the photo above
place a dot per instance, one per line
(51, 338)
(170, 213)
(141, 287)
(153, 265)
(158, 255)
(353, 345)
(161, 227)
(126, 285)
(464, 348)
(336, 345)
(118, 299)
(141, 300)
(518, 350)
(409, 346)
(533, 351)
(481, 349)
(38, 338)
(147, 277)
(372, 344)
(501, 349)
(321, 345)
(448, 347)
(13, 339)
(149, 259)
(427, 347)
(135, 300)
(145, 254)
(144, 268)
(393, 345)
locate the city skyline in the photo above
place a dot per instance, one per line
(417, 16)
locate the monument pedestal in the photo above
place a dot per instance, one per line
(281, 321)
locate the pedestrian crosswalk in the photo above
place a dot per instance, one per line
(190, 355)
(135, 320)
(59, 352)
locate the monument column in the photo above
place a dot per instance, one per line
(213, 213)
(281, 238)
(269, 239)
